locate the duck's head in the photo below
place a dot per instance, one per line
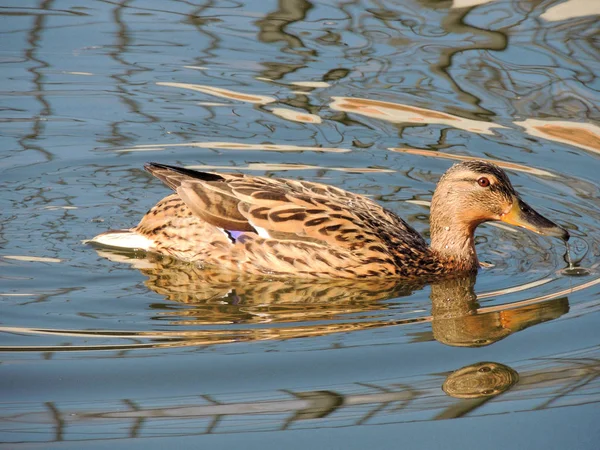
(479, 191)
(473, 192)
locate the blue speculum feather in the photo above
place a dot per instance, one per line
(234, 235)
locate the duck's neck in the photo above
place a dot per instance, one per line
(452, 240)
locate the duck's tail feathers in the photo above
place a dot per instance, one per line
(129, 239)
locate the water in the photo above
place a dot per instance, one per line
(379, 98)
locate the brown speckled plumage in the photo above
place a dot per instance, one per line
(314, 230)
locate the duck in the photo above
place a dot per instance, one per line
(282, 227)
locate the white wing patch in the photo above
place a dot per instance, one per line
(260, 231)
(123, 239)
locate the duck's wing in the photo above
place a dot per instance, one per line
(283, 209)
(207, 195)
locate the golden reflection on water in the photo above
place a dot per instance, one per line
(568, 9)
(29, 258)
(281, 166)
(571, 9)
(296, 116)
(458, 321)
(504, 164)
(221, 92)
(213, 297)
(307, 84)
(469, 3)
(399, 113)
(582, 135)
(234, 146)
(311, 84)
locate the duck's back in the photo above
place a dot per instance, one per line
(278, 226)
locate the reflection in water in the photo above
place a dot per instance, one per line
(285, 113)
(504, 164)
(468, 3)
(224, 93)
(32, 52)
(484, 379)
(127, 69)
(559, 381)
(582, 135)
(32, 258)
(570, 9)
(273, 28)
(457, 320)
(220, 297)
(268, 167)
(295, 116)
(501, 62)
(235, 146)
(311, 84)
(399, 113)
(310, 307)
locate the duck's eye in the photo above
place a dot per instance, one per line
(483, 182)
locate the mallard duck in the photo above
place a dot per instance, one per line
(276, 226)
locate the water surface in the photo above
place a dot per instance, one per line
(102, 348)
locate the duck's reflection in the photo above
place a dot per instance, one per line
(217, 297)
(214, 297)
(458, 320)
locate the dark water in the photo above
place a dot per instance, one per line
(103, 349)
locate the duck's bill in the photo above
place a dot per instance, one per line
(523, 215)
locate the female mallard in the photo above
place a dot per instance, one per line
(284, 227)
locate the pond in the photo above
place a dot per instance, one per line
(102, 348)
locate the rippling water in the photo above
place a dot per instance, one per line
(379, 98)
